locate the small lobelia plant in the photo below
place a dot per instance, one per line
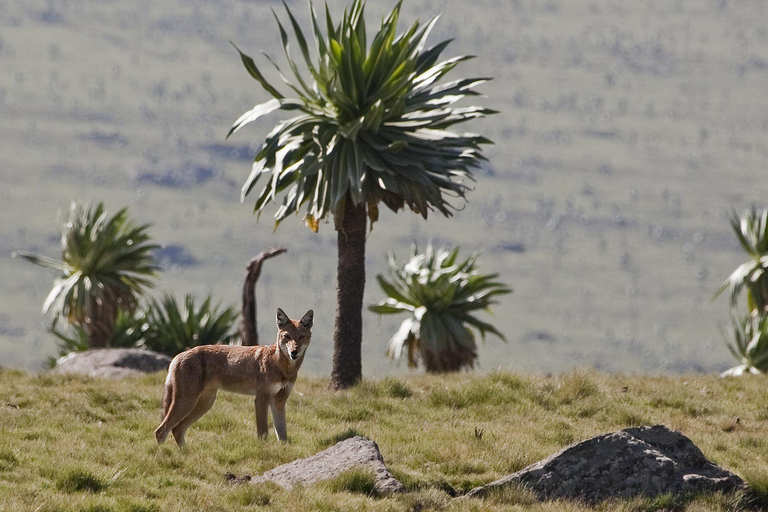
(164, 326)
(128, 332)
(171, 328)
(106, 265)
(441, 297)
(749, 343)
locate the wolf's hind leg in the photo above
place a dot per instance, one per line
(203, 405)
(182, 401)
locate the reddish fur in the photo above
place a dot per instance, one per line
(265, 371)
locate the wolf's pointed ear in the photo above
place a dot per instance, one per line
(307, 319)
(282, 319)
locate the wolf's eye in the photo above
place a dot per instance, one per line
(301, 336)
(286, 336)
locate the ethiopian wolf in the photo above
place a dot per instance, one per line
(266, 371)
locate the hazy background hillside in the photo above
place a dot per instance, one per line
(628, 130)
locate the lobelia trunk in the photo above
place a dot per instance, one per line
(99, 338)
(452, 360)
(101, 328)
(248, 330)
(350, 285)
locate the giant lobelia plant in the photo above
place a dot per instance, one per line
(441, 297)
(750, 331)
(370, 123)
(106, 265)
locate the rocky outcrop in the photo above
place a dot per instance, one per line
(355, 452)
(645, 461)
(112, 362)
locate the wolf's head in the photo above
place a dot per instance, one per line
(293, 336)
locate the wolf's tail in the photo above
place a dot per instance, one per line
(168, 389)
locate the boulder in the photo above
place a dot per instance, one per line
(643, 461)
(112, 362)
(355, 452)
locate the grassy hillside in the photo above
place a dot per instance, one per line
(73, 443)
(627, 132)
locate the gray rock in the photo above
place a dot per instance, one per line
(355, 452)
(645, 461)
(112, 362)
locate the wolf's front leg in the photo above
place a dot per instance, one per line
(262, 420)
(278, 416)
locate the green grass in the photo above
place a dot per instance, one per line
(72, 443)
(356, 481)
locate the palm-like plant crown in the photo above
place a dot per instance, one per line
(441, 296)
(751, 228)
(372, 125)
(106, 264)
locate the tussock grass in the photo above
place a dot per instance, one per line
(359, 481)
(76, 443)
(79, 480)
